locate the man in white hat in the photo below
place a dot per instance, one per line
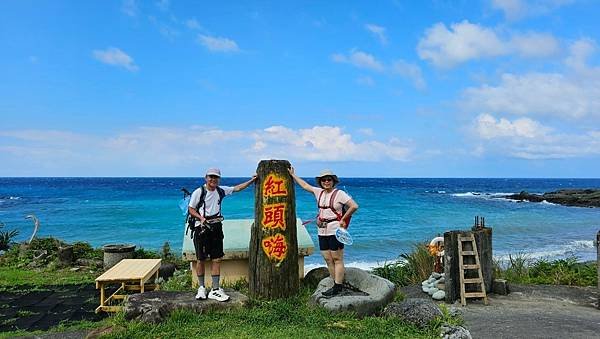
(205, 207)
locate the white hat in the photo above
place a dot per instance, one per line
(327, 173)
(213, 171)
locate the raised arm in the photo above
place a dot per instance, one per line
(244, 185)
(306, 186)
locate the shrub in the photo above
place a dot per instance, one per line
(412, 268)
(6, 238)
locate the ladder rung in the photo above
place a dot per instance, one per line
(465, 239)
(473, 281)
(470, 267)
(468, 252)
(475, 295)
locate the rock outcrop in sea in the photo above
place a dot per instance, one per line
(567, 197)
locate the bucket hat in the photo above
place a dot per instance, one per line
(327, 173)
(213, 171)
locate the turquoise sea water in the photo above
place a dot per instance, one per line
(394, 213)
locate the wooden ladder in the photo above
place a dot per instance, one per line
(463, 266)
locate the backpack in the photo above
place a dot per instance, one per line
(330, 206)
(191, 220)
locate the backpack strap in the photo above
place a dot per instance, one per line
(331, 201)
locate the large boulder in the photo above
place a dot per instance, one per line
(363, 293)
(155, 306)
(314, 276)
(419, 312)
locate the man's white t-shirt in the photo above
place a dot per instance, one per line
(211, 200)
(341, 198)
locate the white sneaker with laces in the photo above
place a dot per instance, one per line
(201, 295)
(218, 295)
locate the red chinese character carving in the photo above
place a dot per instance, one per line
(275, 247)
(274, 187)
(274, 216)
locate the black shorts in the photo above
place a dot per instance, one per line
(209, 245)
(329, 243)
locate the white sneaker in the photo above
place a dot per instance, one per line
(218, 295)
(201, 295)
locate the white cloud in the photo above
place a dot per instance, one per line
(487, 127)
(580, 51)
(193, 24)
(359, 59)
(538, 94)
(165, 150)
(378, 32)
(410, 71)
(366, 81)
(218, 44)
(533, 45)
(323, 143)
(528, 139)
(518, 9)
(572, 94)
(465, 41)
(115, 57)
(130, 7)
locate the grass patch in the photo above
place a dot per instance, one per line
(12, 278)
(521, 269)
(411, 268)
(283, 318)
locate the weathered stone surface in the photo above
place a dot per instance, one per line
(455, 332)
(500, 286)
(314, 276)
(363, 293)
(155, 306)
(415, 311)
(439, 295)
(567, 197)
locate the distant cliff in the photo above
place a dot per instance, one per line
(567, 197)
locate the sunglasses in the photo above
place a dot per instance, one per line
(213, 176)
(327, 179)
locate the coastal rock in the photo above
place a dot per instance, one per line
(525, 196)
(154, 306)
(415, 311)
(314, 276)
(455, 332)
(363, 293)
(567, 197)
(432, 291)
(439, 295)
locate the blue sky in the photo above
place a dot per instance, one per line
(499, 88)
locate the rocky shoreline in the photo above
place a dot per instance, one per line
(566, 197)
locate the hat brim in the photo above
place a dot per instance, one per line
(335, 179)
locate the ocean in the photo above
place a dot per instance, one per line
(394, 215)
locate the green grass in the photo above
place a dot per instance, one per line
(521, 269)
(412, 268)
(286, 318)
(12, 278)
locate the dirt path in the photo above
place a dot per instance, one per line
(532, 311)
(536, 312)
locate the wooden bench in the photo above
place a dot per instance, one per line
(132, 275)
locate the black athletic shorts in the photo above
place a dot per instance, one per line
(209, 245)
(329, 243)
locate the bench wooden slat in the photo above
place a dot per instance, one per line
(130, 269)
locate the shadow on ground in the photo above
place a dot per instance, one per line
(30, 310)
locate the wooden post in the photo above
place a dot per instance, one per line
(273, 250)
(483, 239)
